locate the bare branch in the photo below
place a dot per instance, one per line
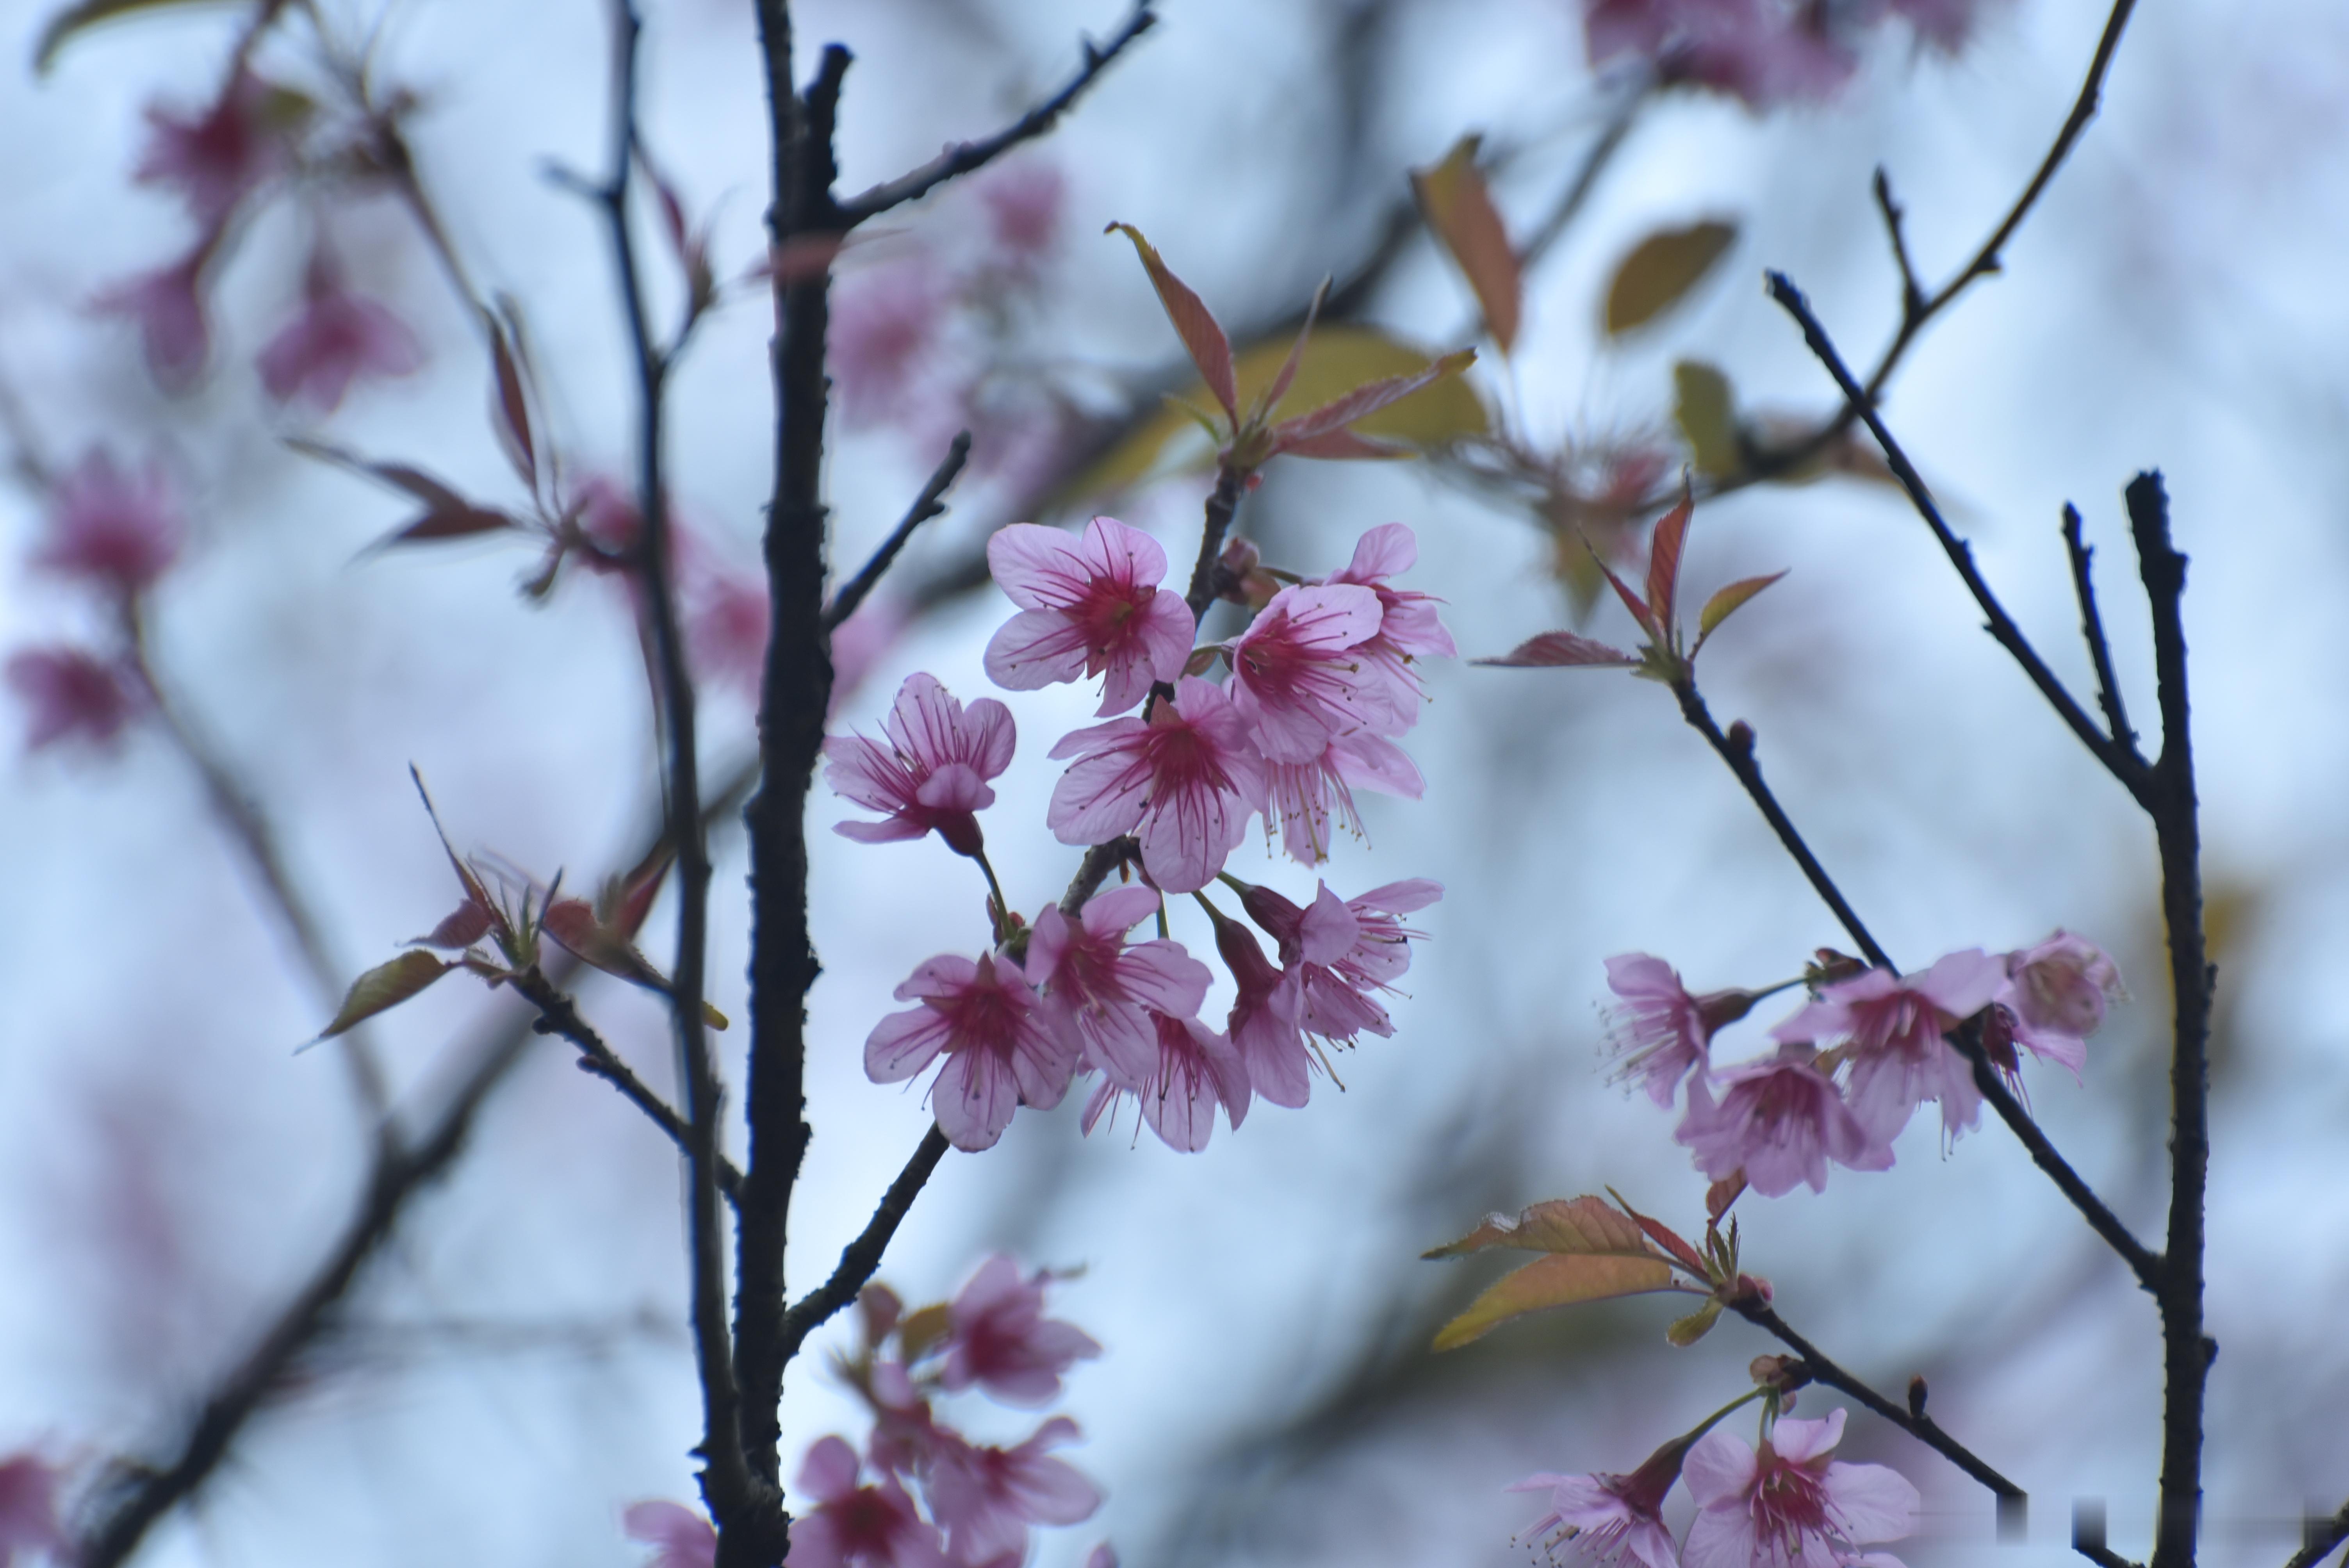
(862, 1257)
(2319, 1536)
(2091, 628)
(930, 503)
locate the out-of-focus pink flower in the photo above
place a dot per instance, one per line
(855, 1526)
(74, 695)
(1781, 1121)
(1613, 1517)
(999, 1053)
(1893, 1027)
(110, 529)
(1409, 629)
(1023, 208)
(686, 1539)
(905, 1433)
(1339, 951)
(1298, 680)
(169, 307)
(1088, 607)
(1196, 1069)
(998, 1338)
(1309, 798)
(28, 1506)
(884, 321)
(933, 773)
(1184, 781)
(1264, 1018)
(988, 1497)
(1661, 1031)
(338, 338)
(726, 618)
(1098, 991)
(859, 642)
(1102, 1556)
(1946, 24)
(214, 157)
(1763, 51)
(2056, 993)
(1789, 1504)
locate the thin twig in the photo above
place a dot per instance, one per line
(1570, 202)
(1912, 292)
(2319, 1536)
(930, 503)
(862, 1257)
(2091, 628)
(2119, 760)
(1819, 1368)
(558, 1014)
(1223, 502)
(967, 156)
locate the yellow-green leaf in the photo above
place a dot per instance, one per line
(1686, 1331)
(1459, 209)
(1560, 1280)
(88, 14)
(1336, 360)
(922, 1327)
(386, 985)
(1726, 603)
(1706, 411)
(1660, 271)
(1577, 1225)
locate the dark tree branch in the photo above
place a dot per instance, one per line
(2091, 628)
(2319, 1536)
(1093, 871)
(862, 1257)
(726, 1478)
(2088, 1536)
(2119, 760)
(1222, 504)
(558, 1014)
(1737, 751)
(967, 156)
(930, 503)
(1818, 1368)
(1912, 292)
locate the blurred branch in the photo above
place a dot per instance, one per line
(930, 503)
(862, 1257)
(2319, 1537)
(965, 157)
(2092, 629)
(1570, 202)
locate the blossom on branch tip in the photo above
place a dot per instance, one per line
(1184, 781)
(855, 1526)
(998, 1338)
(934, 771)
(1409, 628)
(1196, 1069)
(1000, 1055)
(112, 529)
(987, 1496)
(1339, 951)
(1088, 606)
(74, 695)
(1780, 1121)
(685, 1538)
(338, 338)
(1264, 1018)
(1299, 680)
(1893, 1028)
(1098, 991)
(1788, 1505)
(1661, 1031)
(2055, 992)
(1612, 1518)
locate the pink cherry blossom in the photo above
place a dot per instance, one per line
(28, 1506)
(1339, 951)
(685, 1538)
(1612, 1518)
(2056, 993)
(1264, 1018)
(74, 695)
(169, 307)
(214, 157)
(1309, 798)
(111, 529)
(998, 1338)
(1196, 1069)
(884, 321)
(1102, 1556)
(1024, 201)
(1895, 1028)
(855, 1526)
(1184, 781)
(1098, 990)
(1088, 607)
(906, 1435)
(1780, 1121)
(1789, 1506)
(1408, 627)
(934, 771)
(988, 1497)
(726, 619)
(1661, 1031)
(999, 1053)
(1298, 678)
(1763, 51)
(338, 338)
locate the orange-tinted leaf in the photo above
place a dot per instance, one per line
(386, 985)
(1202, 336)
(1686, 1331)
(1727, 603)
(1367, 400)
(1664, 560)
(1722, 1193)
(1660, 271)
(923, 1328)
(1577, 1225)
(1560, 1280)
(1459, 212)
(1561, 648)
(571, 923)
(1663, 1235)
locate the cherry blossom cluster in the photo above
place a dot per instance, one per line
(1320, 682)
(933, 1498)
(1855, 1062)
(1781, 1503)
(1764, 52)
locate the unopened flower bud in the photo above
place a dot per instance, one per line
(1917, 1398)
(1741, 737)
(1780, 1373)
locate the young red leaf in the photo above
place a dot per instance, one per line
(1641, 611)
(1664, 1236)
(413, 481)
(1459, 212)
(1365, 400)
(1561, 1280)
(1335, 445)
(1277, 387)
(1722, 1193)
(1553, 648)
(1579, 1225)
(1727, 603)
(571, 923)
(475, 891)
(509, 408)
(1209, 349)
(460, 521)
(1664, 562)
(384, 986)
(461, 930)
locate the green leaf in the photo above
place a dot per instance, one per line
(74, 19)
(384, 986)
(1459, 209)
(1686, 1332)
(1727, 603)
(1560, 1280)
(1706, 411)
(1660, 271)
(1577, 1225)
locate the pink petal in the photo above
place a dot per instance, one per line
(973, 1099)
(1718, 1470)
(1037, 648)
(903, 1044)
(1876, 1503)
